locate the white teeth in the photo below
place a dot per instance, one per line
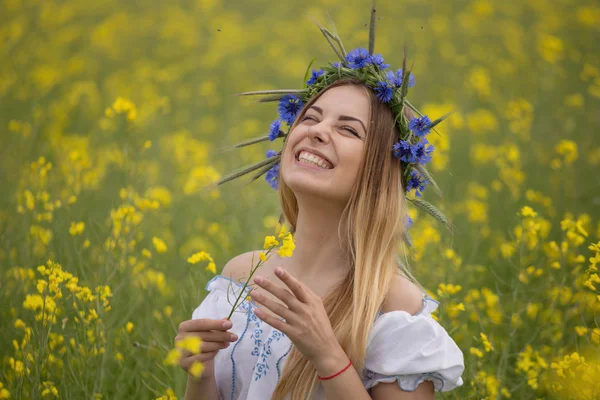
(312, 159)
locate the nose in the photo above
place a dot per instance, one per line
(319, 132)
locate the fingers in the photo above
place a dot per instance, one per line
(283, 294)
(298, 288)
(217, 336)
(206, 347)
(204, 325)
(274, 322)
(187, 362)
(274, 306)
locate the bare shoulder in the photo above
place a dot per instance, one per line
(239, 266)
(403, 295)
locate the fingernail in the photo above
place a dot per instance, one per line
(234, 337)
(278, 271)
(258, 279)
(227, 324)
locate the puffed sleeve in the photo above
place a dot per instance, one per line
(216, 304)
(412, 348)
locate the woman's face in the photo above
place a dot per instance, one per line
(324, 151)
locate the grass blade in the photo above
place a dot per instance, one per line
(307, 73)
(273, 91)
(431, 210)
(425, 174)
(372, 28)
(241, 172)
(262, 171)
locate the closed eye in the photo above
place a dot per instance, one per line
(346, 128)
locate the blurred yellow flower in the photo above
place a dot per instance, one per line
(129, 327)
(173, 357)
(203, 256)
(196, 369)
(191, 344)
(159, 245)
(528, 212)
(76, 228)
(476, 352)
(486, 342)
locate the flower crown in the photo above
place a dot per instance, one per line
(390, 86)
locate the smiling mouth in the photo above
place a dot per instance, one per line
(308, 158)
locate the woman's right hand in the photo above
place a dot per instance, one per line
(215, 337)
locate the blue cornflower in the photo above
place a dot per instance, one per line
(422, 151)
(271, 153)
(396, 78)
(315, 75)
(272, 176)
(337, 65)
(274, 129)
(377, 59)
(415, 182)
(358, 58)
(420, 126)
(409, 221)
(289, 107)
(404, 151)
(384, 91)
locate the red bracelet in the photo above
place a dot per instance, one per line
(336, 374)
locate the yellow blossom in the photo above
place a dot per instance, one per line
(528, 212)
(191, 344)
(288, 246)
(129, 327)
(76, 228)
(270, 241)
(159, 245)
(196, 369)
(486, 342)
(476, 352)
(172, 357)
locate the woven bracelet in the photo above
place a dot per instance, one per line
(337, 373)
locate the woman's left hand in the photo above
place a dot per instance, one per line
(306, 321)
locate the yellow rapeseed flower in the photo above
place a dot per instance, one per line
(172, 357)
(159, 245)
(191, 344)
(169, 395)
(288, 246)
(270, 241)
(486, 342)
(476, 352)
(262, 256)
(203, 256)
(196, 369)
(76, 228)
(528, 212)
(129, 327)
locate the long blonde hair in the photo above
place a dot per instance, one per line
(374, 221)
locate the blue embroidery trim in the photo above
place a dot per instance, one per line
(233, 351)
(281, 358)
(216, 277)
(426, 298)
(263, 366)
(424, 376)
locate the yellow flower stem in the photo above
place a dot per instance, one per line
(252, 271)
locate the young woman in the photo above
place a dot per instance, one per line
(343, 320)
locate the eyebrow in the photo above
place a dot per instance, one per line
(342, 117)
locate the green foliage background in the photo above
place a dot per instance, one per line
(115, 114)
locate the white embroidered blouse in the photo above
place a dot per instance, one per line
(401, 347)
